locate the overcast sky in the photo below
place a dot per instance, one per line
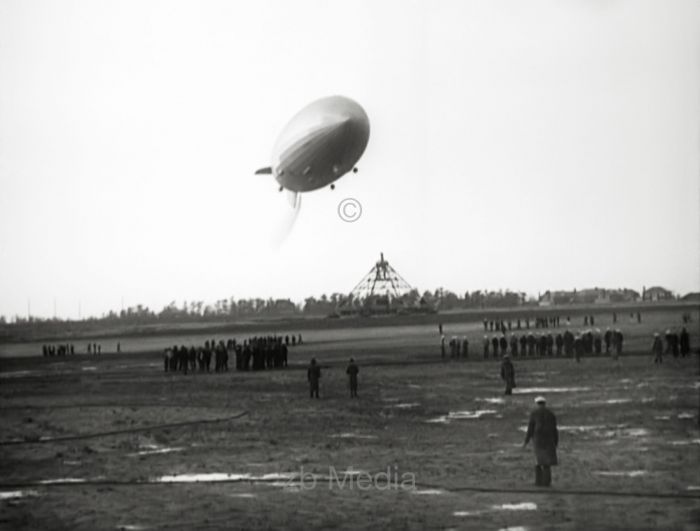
(522, 145)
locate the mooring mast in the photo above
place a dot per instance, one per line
(382, 280)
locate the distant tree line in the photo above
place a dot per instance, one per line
(231, 309)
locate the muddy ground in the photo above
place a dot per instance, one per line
(428, 444)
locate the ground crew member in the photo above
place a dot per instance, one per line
(313, 375)
(542, 429)
(657, 349)
(352, 371)
(508, 374)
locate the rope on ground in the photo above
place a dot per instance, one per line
(120, 432)
(299, 480)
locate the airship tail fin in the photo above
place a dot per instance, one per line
(267, 170)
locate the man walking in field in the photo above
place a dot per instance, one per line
(352, 371)
(657, 348)
(508, 374)
(313, 375)
(542, 429)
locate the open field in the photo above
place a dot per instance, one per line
(375, 335)
(128, 439)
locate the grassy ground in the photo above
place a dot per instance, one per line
(629, 448)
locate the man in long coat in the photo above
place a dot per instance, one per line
(508, 374)
(542, 429)
(313, 375)
(352, 371)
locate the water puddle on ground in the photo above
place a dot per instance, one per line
(62, 480)
(131, 527)
(467, 513)
(621, 473)
(662, 417)
(683, 416)
(686, 442)
(610, 401)
(88, 368)
(15, 374)
(154, 451)
(601, 430)
(462, 415)
(213, 477)
(693, 487)
(542, 390)
(497, 400)
(522, 506)
(407, 405)
(515, 528)
(14, 494)
(243, 495)
(350, 435)
(427, 492)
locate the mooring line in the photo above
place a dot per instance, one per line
(299, 480)
(119, 432)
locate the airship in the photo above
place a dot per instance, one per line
(319, 145)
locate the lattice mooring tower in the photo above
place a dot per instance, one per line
(381, 281)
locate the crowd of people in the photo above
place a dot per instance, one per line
(541, 344)
(69, 349)
(677, 344)
(58, 350)
(255, 353)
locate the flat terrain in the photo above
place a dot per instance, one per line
(112, 442)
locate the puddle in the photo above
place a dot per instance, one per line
(350, 435)
(15, 374)
(462, 415)
(414, 386)
(427, 492)
(213, 477)
(243, 495)
(622, 473)
(634, 432)
(62, 480)
(514, 528)
(693, 487)
(406, 405)
(88, 368)
(601, 430)
(685, 416)
(683, 443)
(662, 417)
(579, 429)
(539, 390)
(14, 494)
(609, 401)
(491, 400)
(523, 506)
(156, 451)
(131, 527)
